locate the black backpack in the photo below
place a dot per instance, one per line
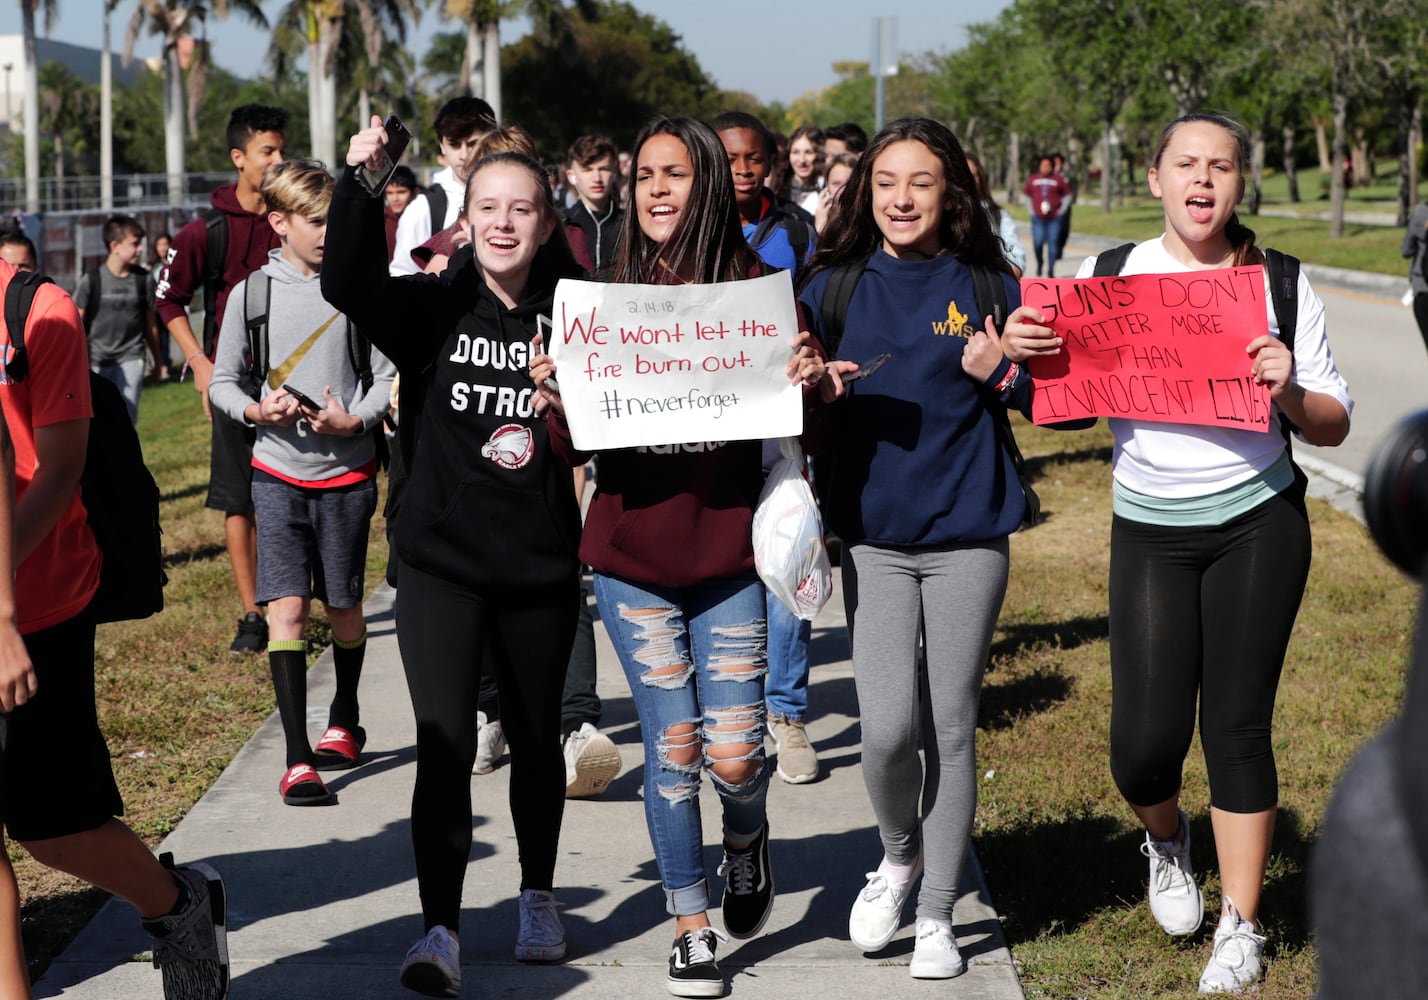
(436, 202)
(797, 223)
(257, 293)
(991, 301)
(1283, 295)
(215, 223)
(119, 493)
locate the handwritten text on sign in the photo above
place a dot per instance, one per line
(1163, 347)
(669, 364)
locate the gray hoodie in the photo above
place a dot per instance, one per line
(296, 310)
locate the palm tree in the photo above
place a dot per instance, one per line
(106, 117)
(483, 36)
(31, 109)
(178, 22)
(322, 27)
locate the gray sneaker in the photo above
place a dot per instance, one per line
(797, 760)
(191, 947)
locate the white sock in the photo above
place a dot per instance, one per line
(896, 873)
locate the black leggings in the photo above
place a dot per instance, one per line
(441, 628)
(1207, 612)
(1420, 313)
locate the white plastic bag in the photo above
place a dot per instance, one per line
(788, 537)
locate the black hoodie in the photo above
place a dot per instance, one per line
(487, 505)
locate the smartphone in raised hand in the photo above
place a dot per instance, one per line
(397, 139)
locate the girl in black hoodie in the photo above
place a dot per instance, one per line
(488, 530)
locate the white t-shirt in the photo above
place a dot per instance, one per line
(1175, 461)
(414, 227)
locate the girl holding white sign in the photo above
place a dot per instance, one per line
(487, 532)
(668, 535)
(924, 495)
(1209, 556)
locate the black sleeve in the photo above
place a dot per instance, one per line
(407, 318)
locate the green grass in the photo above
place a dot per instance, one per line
(1361, 248)
(1058, 843)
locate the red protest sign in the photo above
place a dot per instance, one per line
(1162, 347)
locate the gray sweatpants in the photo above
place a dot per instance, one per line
(952, 596)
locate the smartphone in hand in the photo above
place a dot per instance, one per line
(397, 139)
(302, 398)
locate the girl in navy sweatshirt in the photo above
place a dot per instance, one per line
(488, 528)
(924, 496)
(668, 535)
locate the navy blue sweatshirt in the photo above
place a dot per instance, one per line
(916, 460)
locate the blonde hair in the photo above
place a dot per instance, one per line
(298, 187)
(506, 139)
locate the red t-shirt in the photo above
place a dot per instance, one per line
(59, 578)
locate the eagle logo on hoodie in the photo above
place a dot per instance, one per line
(511, 446)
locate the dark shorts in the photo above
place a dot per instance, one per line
(312, 542)
(230, 466)
(54, 763)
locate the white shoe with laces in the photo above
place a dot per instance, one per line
(592, 761)
(1237, 961)
(1175, 899)
(433, 965)
(877, 911)
(541, 937)
(935, 955)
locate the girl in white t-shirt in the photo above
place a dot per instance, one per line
(1209, 556)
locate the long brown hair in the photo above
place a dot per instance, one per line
(708, 241)
(1241, 237)
(965, 229)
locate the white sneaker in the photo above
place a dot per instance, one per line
(490, 744)
(936, 955)
(591, 762)
(1238, 959)
(433, 965)
(877, 911)
(541, 937)
(1175, 899)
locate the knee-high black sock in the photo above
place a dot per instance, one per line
(347, 660)
(287, 658)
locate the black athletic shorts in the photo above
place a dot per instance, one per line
(54, 763)
(230, 466)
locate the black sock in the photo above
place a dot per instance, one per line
(347, 659)
(288, 660)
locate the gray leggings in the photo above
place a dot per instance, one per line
(952, 595)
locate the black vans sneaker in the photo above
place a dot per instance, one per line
(252, 634)
(693, 972)
(749, 887)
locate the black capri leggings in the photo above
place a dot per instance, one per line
(441, 629)
(1207, 612)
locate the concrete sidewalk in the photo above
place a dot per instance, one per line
(323, 901)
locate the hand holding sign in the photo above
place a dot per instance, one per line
(1158, 347)
(669, 364)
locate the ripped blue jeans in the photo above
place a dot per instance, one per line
(695, 658)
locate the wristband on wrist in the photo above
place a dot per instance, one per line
(187, 361)
(1009, 378)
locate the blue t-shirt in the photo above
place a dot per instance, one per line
(916, 460)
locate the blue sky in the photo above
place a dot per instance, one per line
(775, 49)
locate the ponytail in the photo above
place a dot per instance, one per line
(1242, 239)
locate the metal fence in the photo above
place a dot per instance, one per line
(71, 243)
(131, 191)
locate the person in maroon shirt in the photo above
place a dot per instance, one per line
(668, 535)
(255, 140)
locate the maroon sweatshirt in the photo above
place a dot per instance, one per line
(249, 240)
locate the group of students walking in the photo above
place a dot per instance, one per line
(1210, 544)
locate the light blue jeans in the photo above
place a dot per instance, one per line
(129, 377)
(786, 688)
(695, 660)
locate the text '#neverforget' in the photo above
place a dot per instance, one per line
(1161, 347)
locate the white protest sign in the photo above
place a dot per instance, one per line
(669, 364)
